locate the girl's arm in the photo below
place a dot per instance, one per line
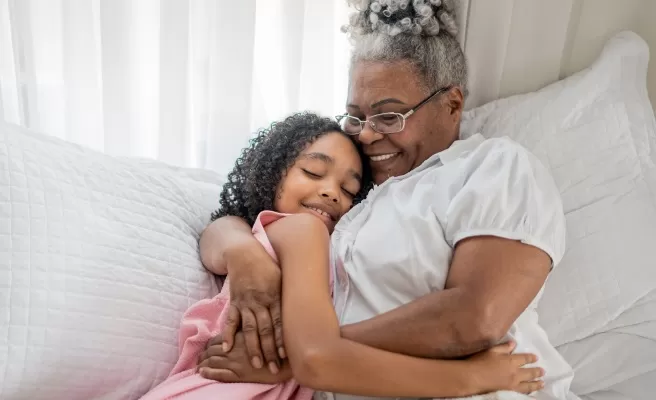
(321, 359)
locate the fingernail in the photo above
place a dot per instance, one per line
(281, 353)
(273, 368)
(202, 372)
(257, 363)
(225, 347)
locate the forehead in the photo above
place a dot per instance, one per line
(373, 81)
(335, 145)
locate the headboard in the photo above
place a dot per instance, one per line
(518, 46)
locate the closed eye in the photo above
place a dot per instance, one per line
(388, 118)
(311, 174)
(351, 195)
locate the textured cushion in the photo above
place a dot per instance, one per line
(98, 262)
(597, 134)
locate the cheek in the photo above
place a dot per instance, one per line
(408, 141)
(289, 194)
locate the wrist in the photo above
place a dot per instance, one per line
(468, 378)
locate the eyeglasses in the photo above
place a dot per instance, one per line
(385, 123)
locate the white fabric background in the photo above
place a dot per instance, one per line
(188, 81)
(183, 81)
(518, 46)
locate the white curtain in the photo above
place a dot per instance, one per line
(183, 81)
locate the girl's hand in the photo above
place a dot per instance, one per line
(255, 296)
(234, 366)
(497, 369)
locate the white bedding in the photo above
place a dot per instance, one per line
(596, 132)
(98, 262)
(98, 255)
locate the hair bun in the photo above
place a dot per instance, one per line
(393, 17)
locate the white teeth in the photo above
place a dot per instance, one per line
(320, 212)
(382, 157)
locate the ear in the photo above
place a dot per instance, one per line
(455, 101)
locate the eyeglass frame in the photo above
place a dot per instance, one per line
(403, 116)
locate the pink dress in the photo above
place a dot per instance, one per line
(203, 321)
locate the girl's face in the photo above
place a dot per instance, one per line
(323, 181)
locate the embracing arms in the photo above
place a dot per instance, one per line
(322, 359)
(490, 283)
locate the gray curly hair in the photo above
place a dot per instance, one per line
(421, 32)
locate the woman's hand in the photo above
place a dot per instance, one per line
(497, 369)
(255, 296)
(234, 366)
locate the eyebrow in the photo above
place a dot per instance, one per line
(329, 160)
(390, 100)
(387, 101)
(320, 156)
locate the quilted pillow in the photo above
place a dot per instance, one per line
(98, 262)
(596, 131)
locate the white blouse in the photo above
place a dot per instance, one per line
(397, 245)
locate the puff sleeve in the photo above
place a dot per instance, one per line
(506, 192)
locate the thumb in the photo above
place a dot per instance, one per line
(504, 348)
(232, 324)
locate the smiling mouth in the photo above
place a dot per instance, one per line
(383, 157)
(320, 212)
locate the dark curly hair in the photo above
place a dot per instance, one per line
(252, 184)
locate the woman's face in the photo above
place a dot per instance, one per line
(323, 181)
(378, 87)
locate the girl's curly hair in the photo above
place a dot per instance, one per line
(252, 184)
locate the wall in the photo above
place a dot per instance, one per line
(517, 46)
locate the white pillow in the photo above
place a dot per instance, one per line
(98, 262)
(596, 132)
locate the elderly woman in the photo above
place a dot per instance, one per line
(449, 252)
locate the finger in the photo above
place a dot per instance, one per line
(216, 340)
(267, 341)
(276, 319)
(504, 348)
(232, 325)
(251, 337)
(530, 374)
(219, 375)
(214, 362)
(529, 387)
(524, 359)
(212, 351)
(214, 348)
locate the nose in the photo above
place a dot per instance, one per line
(368, 135)
(330, 193)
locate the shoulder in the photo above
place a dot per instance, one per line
(296, 230)
(505, 191)
(500, 152)
(502, 160)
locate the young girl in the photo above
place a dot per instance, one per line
(309, 174)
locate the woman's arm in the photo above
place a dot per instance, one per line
(227, 246)
(225, 235)
(321, 359)
(491, 282)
